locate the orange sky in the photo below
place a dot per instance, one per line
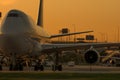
(102, 16)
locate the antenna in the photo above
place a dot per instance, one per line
(40, 14)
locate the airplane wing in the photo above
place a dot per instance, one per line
(66, 34)
(75, 46)
(37, 36)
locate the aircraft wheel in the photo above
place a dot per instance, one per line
(10, 67)
(41, 67)
(54, 67)
(59, 67)
(1, 68)
(35, 68)
(20, 67)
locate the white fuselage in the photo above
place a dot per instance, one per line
(20, 35)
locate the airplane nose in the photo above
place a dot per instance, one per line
(13, 13)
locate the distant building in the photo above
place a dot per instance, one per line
(65, 30)
(89, 37)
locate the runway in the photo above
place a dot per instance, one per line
(74, 69)
(80, 72)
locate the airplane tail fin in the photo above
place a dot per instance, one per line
(40, 14)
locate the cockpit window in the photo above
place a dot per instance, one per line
(12, 15)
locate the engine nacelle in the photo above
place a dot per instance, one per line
(91, 56)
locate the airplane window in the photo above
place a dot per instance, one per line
(12, 15)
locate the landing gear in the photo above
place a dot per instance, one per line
(1, 67)
(57, 65)
(38, 66)
(2, 61)
(17, 67)
(15, 63)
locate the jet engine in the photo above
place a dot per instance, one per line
(91, 56)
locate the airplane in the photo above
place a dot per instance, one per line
(20, 37)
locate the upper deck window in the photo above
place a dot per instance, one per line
(13, 15)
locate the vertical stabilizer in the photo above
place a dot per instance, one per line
(40, 14)
(0, 14)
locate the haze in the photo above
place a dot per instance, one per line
(102, 16)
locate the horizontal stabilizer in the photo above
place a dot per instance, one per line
(66, 34)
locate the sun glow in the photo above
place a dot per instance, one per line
(7, 2)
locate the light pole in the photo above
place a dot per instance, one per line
(106, 40)
(74, 32)
(118, 34)
(102, 37)
(0, 16)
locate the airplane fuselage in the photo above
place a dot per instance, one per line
(20, 35)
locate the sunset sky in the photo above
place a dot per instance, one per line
(102, 16)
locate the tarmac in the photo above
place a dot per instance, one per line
(73, 69)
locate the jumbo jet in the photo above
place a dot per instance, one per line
(21, 37)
